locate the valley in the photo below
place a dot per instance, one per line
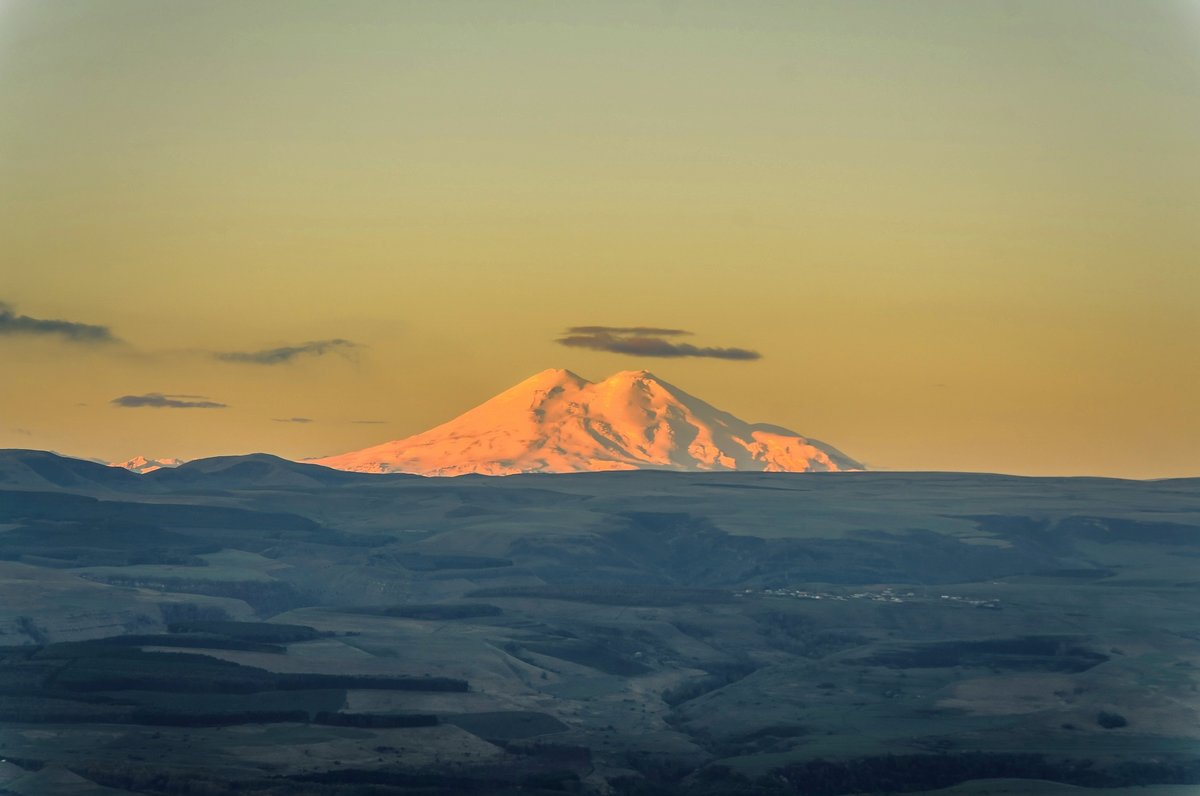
(254, 625)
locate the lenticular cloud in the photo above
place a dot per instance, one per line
(647, 341)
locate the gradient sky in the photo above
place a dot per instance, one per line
(963, 236)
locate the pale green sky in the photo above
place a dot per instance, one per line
(962, 235)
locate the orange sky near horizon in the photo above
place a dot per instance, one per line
(963, 236)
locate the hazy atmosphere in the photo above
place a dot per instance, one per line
(951, 236)
(614, 399)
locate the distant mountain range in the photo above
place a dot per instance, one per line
(558, 422)
(141, 464)
(47, 471)
(552, 422)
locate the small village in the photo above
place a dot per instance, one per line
(886, 595)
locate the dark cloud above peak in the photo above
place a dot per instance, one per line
(652, 331)
(158, 400)
(72, 331)
(288, 353)
(647, 341)
(294, 420)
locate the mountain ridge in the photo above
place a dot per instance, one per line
(146, 464)
(556, 421)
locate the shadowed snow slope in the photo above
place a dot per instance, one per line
(557, 422)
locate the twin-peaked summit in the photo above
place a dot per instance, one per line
(558, 422)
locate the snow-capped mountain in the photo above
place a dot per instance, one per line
(558, 422)
(141, 464)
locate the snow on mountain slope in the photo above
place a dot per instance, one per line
(141, 464)
(558, 422)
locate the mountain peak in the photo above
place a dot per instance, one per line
(145, 464)
(558, 422)
(626, 376)
(640, 377)
(552, 377)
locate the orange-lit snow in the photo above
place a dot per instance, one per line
(557, 422)
(141, 464)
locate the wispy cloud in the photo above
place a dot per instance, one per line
(157, 400)
(652, 331)
(288, 353)
(647, 341)
(294, 420)
(72, 331)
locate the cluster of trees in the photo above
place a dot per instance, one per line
(665, 596)
(718, 677)
(798, 634)
(90, 667)
(293, 682)
(425, 562)
(902, 774)
(35, 710)
(593, 654)
(375, 720)
(191, 612)
(499, 780)
(268, 632)
(141, 778)
(266, 597)
(556, 752)
(1110, 721)
(180, 719)
(211, 641)
(432, 612)
(1028, 653)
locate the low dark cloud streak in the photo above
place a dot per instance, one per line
(157, 400)
(294, 420)
(649, 345)
(651, 331)
(13, 324)
(285, 354)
